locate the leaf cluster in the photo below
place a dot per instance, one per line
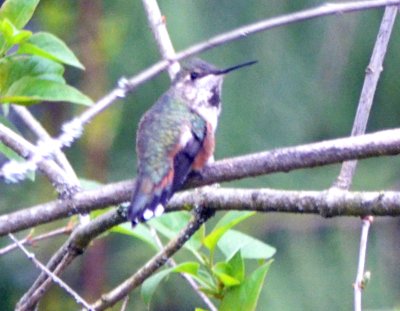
(32, 64)
(223, 279)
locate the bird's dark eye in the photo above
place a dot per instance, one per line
(194, 75)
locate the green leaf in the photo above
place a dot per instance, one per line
(3, 45)
(223, 271)
(30, 79)
(229, 220)
(11, 34)
(245, 296)
(237, 266)
(230, 273)
(250, 247)
(15, 68)
(30, 90)
(21, 36)
(206, 281)
(19, 12)
(150, 285)
(189, 267)
(49, 46)
(7, 29)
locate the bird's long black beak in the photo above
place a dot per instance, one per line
(227, 70)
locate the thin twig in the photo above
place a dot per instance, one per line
(125, 303)
(320, 11)
(35, 126)
(171, 262)
(59, 157)
(109, 299)
(358, 285)
(32, 240)
(158, 26)
(79, 300)
(25, 149)
(73, 247)
(372, 76)
(279, 160)
(345, 178)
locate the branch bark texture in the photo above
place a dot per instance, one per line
(279, 160)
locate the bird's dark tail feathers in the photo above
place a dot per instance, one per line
(146, 202)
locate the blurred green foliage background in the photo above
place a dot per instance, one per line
(305, 88)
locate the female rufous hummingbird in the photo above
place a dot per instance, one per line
(176, 135)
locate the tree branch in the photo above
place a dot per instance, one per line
(358, 285)
(320, 11)
(279, 160)
(348, 169)
(30, 121)
(158, 27)
(327, 203)
(25, 149)
(373, 73)
(32, 240)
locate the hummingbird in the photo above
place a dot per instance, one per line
(176, 136)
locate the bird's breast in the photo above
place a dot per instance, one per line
(206, 151)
